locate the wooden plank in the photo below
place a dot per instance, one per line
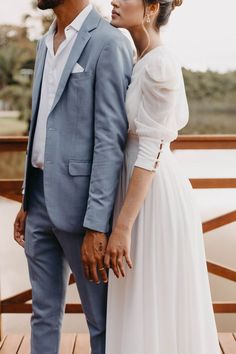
(82, 344)
(72, 279)
(16, 143)
(11, 189)
(27, 308)
(227, 343)
(213, 183)
(74, 308)
(16, 308)
(10, 185)
(203, 142)
(25, 345)
(67, 343)
(19, 143)
(221, 271)
(19, 298)
(11, 344)
(219, 221)
(224, 307)
(12, 196)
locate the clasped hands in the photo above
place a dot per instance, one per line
(99, 253)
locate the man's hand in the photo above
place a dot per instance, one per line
(19, 227)
(92, 255)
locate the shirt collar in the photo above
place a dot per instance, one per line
(76, 24)
(79, 20)
(52, 27)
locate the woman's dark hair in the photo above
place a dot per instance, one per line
(166, 7)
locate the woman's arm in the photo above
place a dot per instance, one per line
(120, 239)
(163, 102)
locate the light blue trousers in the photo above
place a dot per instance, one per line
(51, 254)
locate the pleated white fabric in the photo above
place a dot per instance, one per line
(163, 305)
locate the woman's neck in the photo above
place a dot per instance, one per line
(145, 39)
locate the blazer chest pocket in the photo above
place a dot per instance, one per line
(81, 75)
(80, 168)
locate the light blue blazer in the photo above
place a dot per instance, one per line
(86, 129)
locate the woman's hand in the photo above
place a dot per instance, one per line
(118, 248)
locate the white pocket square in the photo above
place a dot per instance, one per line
(77, 69)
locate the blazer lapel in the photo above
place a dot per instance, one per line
(82, 39)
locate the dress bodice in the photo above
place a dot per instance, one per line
(156, 104)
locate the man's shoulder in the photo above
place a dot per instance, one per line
(109, 34)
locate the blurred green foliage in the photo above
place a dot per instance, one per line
(212, 102)
(211, 87)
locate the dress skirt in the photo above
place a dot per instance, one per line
(163, 305)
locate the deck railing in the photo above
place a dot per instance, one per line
(11, 188)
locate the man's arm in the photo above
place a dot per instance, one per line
(112, 79)
(113, 75)
(23, 185)
(19, 224)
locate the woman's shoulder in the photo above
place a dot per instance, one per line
(162, 65)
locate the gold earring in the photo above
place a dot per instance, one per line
(148, 20)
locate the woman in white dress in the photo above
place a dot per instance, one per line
(162, 304)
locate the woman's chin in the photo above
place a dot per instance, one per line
(115, 23)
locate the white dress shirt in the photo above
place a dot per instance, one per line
(53, 69)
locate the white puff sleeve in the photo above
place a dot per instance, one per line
(162, 112)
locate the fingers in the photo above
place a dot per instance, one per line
(98, 256)
(84, 261)
(85, 264)
(120, 264)
(94, 273)
(19, 239)
(107, 260)
(114, 264)
(102, 271)
(128, 259)
(115, 260)
(19, 229)
(91, 269)
(86, 272)
(92, 256)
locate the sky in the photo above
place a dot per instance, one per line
(202, 33)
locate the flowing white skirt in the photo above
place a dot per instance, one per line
(163, 306)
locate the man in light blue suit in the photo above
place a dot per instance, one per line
(74, 156)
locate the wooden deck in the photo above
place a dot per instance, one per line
(79, 344)
(71, 344)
